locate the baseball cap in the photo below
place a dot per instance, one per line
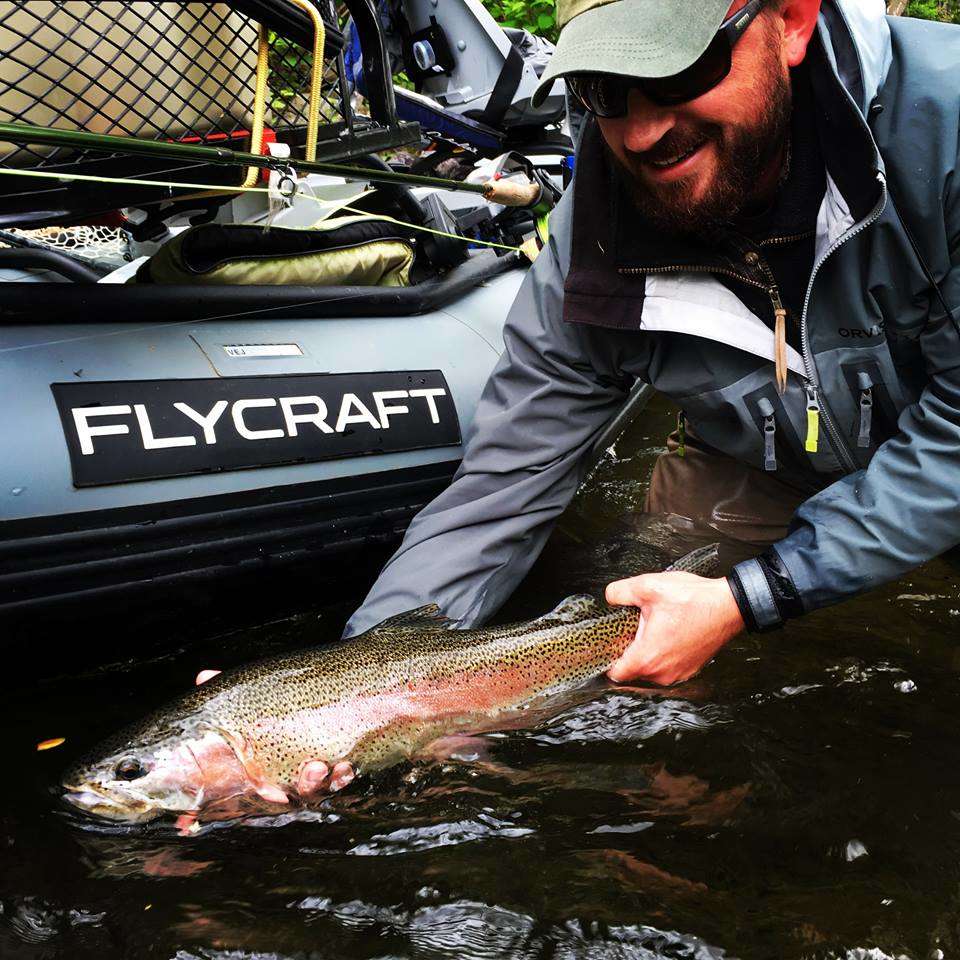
(633, 38)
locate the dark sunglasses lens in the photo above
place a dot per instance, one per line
(702, 75)
(602, 95)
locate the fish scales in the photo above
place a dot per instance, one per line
(377, 698)
(370, 701)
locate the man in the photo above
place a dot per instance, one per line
(764, 225)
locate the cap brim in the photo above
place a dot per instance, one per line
(634, 38)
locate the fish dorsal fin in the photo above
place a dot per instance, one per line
(573, 608)
(703, 561)
(428, 615)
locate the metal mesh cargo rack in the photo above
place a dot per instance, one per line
(177, 71)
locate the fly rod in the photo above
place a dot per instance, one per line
(508, 193)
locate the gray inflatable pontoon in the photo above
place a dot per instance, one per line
(180, 432)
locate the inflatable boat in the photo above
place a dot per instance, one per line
(202, 375)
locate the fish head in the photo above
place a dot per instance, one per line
(136, 778)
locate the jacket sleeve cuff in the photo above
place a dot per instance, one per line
(751, 589)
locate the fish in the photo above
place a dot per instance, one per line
(370, 702)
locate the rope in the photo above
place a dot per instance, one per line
(260, 94)
(218, 189)
(259, 102)
(316, 76)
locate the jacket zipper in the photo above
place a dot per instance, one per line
(774, 241)
(865, 386)
(631, 271)
(815, 398)
(773, 291)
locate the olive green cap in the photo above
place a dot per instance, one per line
(634, 38)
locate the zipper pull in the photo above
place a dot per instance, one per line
(769, 434)
(866, 408)
(681, 434)
(813, 420)
(779, 338)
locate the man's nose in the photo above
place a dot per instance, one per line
(645, 122)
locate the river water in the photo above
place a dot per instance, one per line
(799, 799)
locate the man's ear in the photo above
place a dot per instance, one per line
(799, 21)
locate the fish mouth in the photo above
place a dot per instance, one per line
(93, 803)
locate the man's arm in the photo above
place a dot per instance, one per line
(538, 416)
(860, 532)
(878, 523)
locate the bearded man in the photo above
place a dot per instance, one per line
(764, 225)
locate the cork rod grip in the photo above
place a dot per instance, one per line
(511, 194)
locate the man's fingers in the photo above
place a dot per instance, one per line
(312, 775)
(628, 593)
(633, 660)
(341, 775)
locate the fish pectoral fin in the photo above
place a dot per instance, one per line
(428, 615)
(255, 773)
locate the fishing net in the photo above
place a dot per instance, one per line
(166, 71)
(108, 245)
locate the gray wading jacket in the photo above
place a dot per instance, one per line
(877, 347)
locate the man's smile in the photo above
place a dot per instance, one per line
(681, 163)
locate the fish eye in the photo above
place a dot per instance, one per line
(129, 768)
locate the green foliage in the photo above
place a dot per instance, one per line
(946, 10)
(537, 16)
(289, 72)
(288, 84)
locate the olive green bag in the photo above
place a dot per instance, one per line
(341, 251)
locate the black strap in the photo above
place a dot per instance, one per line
(503, 90)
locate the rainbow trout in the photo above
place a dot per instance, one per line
(371, 701)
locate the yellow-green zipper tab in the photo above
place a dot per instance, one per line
(681, 434)
(813, 421)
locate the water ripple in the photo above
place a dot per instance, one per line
(410, 839)
(468, 928)
(630, 942)
(626, 718)
(33, 920)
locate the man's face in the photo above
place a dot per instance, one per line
(692, 166)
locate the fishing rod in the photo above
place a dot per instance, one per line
(539, 194)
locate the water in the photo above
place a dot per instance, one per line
(799, 799)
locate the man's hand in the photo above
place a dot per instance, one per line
(685, 620)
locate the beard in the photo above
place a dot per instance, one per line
(744, 155)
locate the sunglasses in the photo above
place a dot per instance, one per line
(605, 94)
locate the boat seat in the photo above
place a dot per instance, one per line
(339, 251)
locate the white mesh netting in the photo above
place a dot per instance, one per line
(94, 243)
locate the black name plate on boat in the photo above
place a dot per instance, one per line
(144, 429)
